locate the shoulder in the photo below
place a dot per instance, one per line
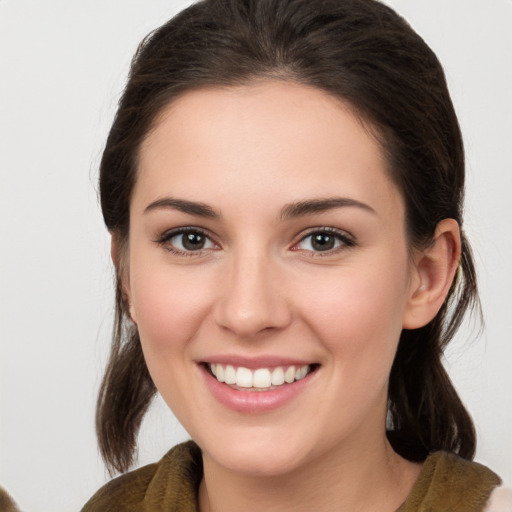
(175, 478)
(122, 493)
(458, 471)
(7, 504)
(449, 482)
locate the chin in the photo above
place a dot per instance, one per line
(258, 463)
(262, 454)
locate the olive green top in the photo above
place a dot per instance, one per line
(446, 483)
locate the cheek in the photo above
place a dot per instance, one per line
(358, 316)
(359, 323)
(168, 307)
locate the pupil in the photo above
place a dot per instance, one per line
(322, 242)
(193, 241)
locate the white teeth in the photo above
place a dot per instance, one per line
(289, 375)
(244, 377)
(230, 375)
(301, 373)
(219, 372)
(262, 378)
(277, 376)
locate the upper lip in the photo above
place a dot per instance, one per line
(254, 363)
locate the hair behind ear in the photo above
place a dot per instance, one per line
(426, 412)
(124, 396)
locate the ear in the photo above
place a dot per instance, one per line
(118, 253)
(434, 270)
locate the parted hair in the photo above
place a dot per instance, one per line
(363, 53)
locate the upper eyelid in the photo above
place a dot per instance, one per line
(169, 233)
(325, 229)
(164, 239)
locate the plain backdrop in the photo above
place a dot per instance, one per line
(62, 66)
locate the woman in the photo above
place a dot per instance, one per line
(283, 183)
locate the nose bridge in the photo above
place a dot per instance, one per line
(252, 300)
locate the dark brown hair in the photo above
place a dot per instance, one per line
(363, 53)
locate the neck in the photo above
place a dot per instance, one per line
(373, 478)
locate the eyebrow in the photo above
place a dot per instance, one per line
(289, 211)
(302, 208)
(190, 207)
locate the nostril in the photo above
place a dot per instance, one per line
(254, 316)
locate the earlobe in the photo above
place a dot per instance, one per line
(435, 269)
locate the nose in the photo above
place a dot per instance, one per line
(253, 297)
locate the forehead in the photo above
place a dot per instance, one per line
(224, 142)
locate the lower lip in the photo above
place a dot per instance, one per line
(253, 402)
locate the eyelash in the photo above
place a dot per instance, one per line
(343, 239)
(165, 238)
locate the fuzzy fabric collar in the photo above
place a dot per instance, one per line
(446, 483)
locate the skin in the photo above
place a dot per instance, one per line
(258, 287)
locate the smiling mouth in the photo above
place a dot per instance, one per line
(260, 379)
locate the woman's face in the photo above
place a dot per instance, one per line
(267, 245)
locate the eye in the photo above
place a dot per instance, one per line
(324, 240)
(186, 240)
